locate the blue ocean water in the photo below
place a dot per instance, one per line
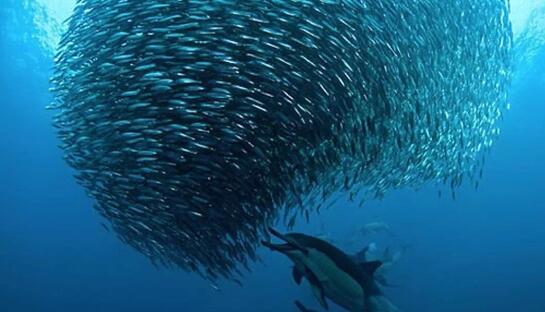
(483, 251)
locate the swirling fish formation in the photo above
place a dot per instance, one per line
(195, 123)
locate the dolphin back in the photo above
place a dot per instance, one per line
(361, 272)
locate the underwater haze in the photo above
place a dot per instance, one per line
(483, 250)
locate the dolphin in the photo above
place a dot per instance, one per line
(332, 274)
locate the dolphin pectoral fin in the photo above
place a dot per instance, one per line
(317, 289)
(319, 294)
(297, 275)
(316, 272)
(370, 267)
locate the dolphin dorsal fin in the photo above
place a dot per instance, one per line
(370, 267)
(320, 296)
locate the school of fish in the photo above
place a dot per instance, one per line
(194, 124)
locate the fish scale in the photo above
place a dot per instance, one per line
(194, 124)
